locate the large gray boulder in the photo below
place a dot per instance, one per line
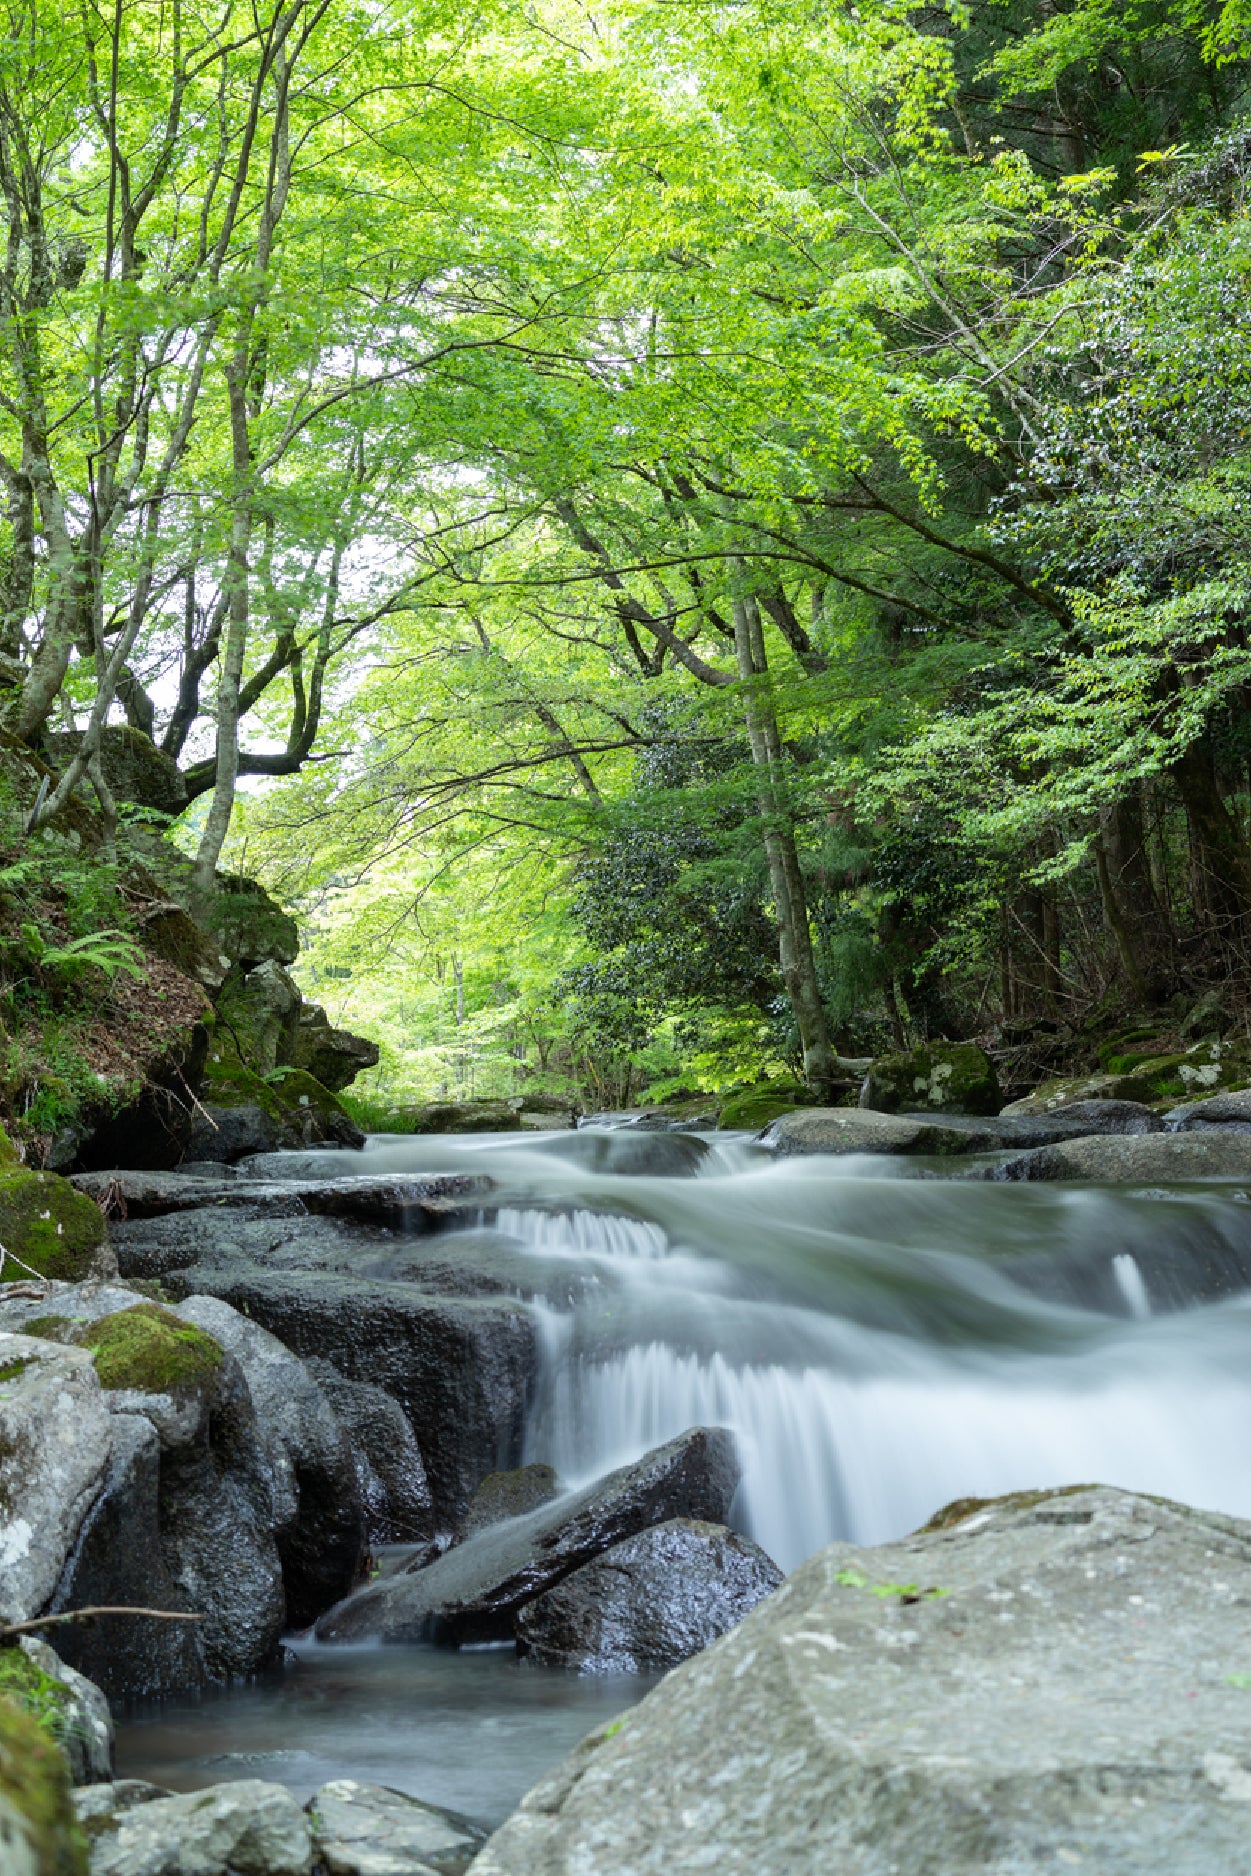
(335, 1057)
(390, 1473)
(1052, 1682)
(856, 1130)
(650, 1602)
(474, 1591)
(367, 1830)
(56, 1441)
(244, 1829)
(1145, 1159)
(1230, 1111)
(318, 1518)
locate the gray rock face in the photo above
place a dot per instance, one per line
(391, 1476)
(509, 1495)
(335, 1057)
(244, 1829)
(650, 1602)
(1230, 1111)
(408, 1204)
(1146, 1159)
(1079, 1120)
(56, 1440)
(473, 1592)
(1072, 1698)
(84, 1725)
(367, 1830)
(856, 1130)
(317, 1512)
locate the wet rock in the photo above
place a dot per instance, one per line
(509, 1495)
(335, 1057)
(38, 1834)
(55, 1446)
(1148, 1159)
(1230, 1112)
(1074, 1120)
(318, 1517)
(408, 1204)
(754, 1108)
(1065, 1091)
(1045, 1684)
(71, 1710)
(95, 1806)
(391, 1476)
(473, 1592)
(461, 1369)
(941, 1077)
(245, 1829)
(855, 1130)
(659, 1154)
(241, 1114)
(464, 1117)
(367, 1830)
(650, 1602)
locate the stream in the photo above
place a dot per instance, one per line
(881, 1339)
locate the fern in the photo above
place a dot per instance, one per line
(109, 951)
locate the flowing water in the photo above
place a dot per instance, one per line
(881, 1340)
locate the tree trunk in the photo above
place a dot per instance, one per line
(1131, 907)
(795, 954)
(1221, 868)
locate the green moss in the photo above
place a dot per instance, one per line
(8, 1152)
(295, 1088)
(227, 1083)
(152, 1350)
(947, 1077)
(48, 1328)
(50, 1227)
(756, 1107)
(34, 1782)
(23, 1682)
(959, 1509)
(13, 1370)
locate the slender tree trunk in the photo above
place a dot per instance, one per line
(1221, 863)
(795, 954)
(1131, 907)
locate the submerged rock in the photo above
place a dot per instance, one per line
(856, 1130)
(474, 1591)
(650, 1602)
(942, 1077)
(1146, 1159)
(1047, 1683)
(245, 1829)
(367, 1830)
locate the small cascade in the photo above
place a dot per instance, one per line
(1130, 1282)
(580, 1232)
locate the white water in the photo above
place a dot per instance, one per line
(880, 1342)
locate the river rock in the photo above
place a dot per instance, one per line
(318, 1517)
(509, 1495)
(941, 1077)
(1053, 1682)
(1231, 1112)
(650, 1602)
(368, 1830)
(70, 1707)
(1147, 1159)
(245, 1829)
(658, 1154)
(464, 1117)
(335, 1057)
(856, 1130)
(391, 1476)
(408, 1204)
(55, 1445)
(473, 1592)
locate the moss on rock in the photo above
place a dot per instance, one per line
(24, 1682)
(151, 1350)
(947, 1077)
(38, 1830)
(52, 1229)
(755, 1107)
(8, 1152)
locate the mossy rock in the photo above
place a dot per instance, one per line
(8, 1152)
(465, 1117)
(152, 1351)
(50, 1228)
(942, 1077)
(39, 1835)
(754, 1108)
(48, 1702)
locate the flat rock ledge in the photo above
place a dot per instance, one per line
(1056, 1680)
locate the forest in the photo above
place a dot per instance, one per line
(687, 542)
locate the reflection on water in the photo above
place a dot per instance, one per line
(471, 1732)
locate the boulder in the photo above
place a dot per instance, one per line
(1230, 1112)
(135, 770)
(258, 1017)
(38, 1830)
(650, 1602)
(170, 931)
(390, 1476)
(461, 1369)
(1064, 1091)
(465, 1117)
(367, 1830)
(754, 1108)
(474, 1591)
(243, 1829)
(242, 1114)
(855, 1130)
(657, 1155)
(48, 1229)
(55, 1446)
(71, 1710)
(407, 1204)
(318, 1517)
(509, 1495)
(334, 1057)
(1048, 1682)
(1147, 1159)
(942, 1077)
